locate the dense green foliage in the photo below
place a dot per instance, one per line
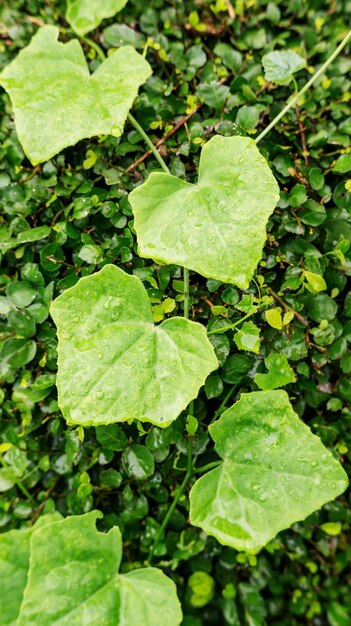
(69, 217)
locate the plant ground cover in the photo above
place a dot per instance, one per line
(67, 218)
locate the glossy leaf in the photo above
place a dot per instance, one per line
(280, 65)
(274, 317)
(26, 236)
(315, 281)
(114, 364)
(85, 15)
(275, 472)
(73, 579)
(14, 565)
(216, 227)
(62, 103)
(279, 373)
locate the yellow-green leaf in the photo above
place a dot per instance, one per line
(316, 281)
(274, 317)
(220, 224)
(275, 472)
(114, 364)
(331, 528)
(62, 103)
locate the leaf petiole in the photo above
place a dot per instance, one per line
(95, 46)
(217, 331)
(187, 477)
(205, 468)
(148, 141)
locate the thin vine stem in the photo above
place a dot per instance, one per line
(95, 46)
(224, 402)
(167, 517)
(186, 293)
(306, 87)
(223, 329)
(148, 141)
(208, 466)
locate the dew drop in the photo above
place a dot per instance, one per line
(76, 319)
(99, 395)
(106, 306)
(313, 463)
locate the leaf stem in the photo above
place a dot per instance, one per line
(186, 293)
(223, 329)
(148, 141)
(188, 475)
(208, 466)
(95, 46)
(223, 404)
(305, 88)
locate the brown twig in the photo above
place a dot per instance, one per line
(210, 304)
(34, 171)
(287, 307)
(161, 141)
(34, 20)
(302, 134)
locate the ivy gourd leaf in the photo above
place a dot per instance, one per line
(280, 65)
(73, 579)
(114, 364)
(275, 472)
(14, 565)
(85, 15)
(279, 373)
(62, 103)
(216, 227)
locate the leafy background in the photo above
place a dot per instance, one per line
(68, 217)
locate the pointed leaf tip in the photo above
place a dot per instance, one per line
(275, 472)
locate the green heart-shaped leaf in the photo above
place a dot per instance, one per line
(66, 572)
(85, 15)
(114, 364)
(62, 103)
(280, 65)
(275, 472)
(216, 227)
